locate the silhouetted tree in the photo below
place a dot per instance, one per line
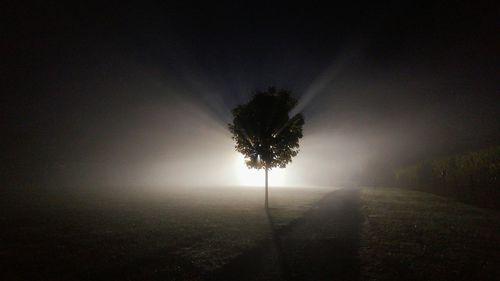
(264, 133)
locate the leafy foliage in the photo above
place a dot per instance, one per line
(263, 131)
(472, 177)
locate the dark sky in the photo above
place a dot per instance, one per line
(115, 85)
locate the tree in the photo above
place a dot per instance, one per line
(264, 133)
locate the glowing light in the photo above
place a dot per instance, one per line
(254, 177)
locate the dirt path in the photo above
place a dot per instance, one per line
(322, 245)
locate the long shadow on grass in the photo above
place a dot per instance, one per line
(267, 261)
(283, 267)
(322, 245)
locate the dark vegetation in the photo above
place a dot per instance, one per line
(264, 132)
(472, 177)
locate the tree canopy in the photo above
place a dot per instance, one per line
(263, 130)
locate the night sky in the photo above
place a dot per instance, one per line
(141, 94)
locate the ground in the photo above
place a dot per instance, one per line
(136, 234)
(409, 235)
(223, 234)
(318, 246)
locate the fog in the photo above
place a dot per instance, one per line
(93, 105)
(152, 130)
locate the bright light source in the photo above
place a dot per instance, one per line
(254, 177)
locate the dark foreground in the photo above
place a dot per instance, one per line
(378, 234)
(136, 233)
(322, 245)
(348, 234)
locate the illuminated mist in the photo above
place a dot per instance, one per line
(118, 162)
(151, 107)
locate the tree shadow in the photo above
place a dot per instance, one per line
(267, 261)
(321, 245)
(324, 245)
(283, 265)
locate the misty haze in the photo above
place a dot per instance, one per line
(250, 141)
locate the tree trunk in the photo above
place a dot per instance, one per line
(267, 202)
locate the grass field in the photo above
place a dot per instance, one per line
(411, 235)
(185, 234)
(117, 234)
